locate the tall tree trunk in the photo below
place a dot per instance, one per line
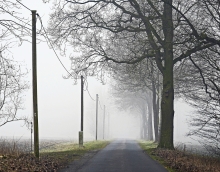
(156, 122)
(150, 127)
(158, 116)
(144, 123)
(141, 127)
(154, 102)
(167, 112)
(158, 90)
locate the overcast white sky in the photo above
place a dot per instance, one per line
(59, 99)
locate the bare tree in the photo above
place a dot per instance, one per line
(198, 80)
(14, 29)
(204, 96)
(167, 32)
(138, 102)
(13, 26)
(11, 90)
(141, 77)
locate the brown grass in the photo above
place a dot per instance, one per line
(185, 162)
(16, 157)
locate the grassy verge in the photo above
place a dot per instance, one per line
(66, 153)
(149, 147)
(179, 161)
(51, 158)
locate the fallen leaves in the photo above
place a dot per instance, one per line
(185, 162)
(27, 163)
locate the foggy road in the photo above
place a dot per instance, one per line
(120, 156)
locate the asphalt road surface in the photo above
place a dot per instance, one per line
(118, 156)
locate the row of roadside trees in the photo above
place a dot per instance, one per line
(180, 39)
(146, 45)
(138, 88)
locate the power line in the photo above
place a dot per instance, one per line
(87, 86)
(23, 5)
(100, 105)
(48, 40)
(90, 95)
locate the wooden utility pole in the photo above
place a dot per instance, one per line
(81, 132)
(97, 98)
(34, 83)
(31, 136)
(81, 103)
(104, 124)
(108, 125)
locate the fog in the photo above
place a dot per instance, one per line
(59, 100)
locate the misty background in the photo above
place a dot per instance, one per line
(59, 99)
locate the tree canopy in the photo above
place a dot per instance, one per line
(129, 31)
